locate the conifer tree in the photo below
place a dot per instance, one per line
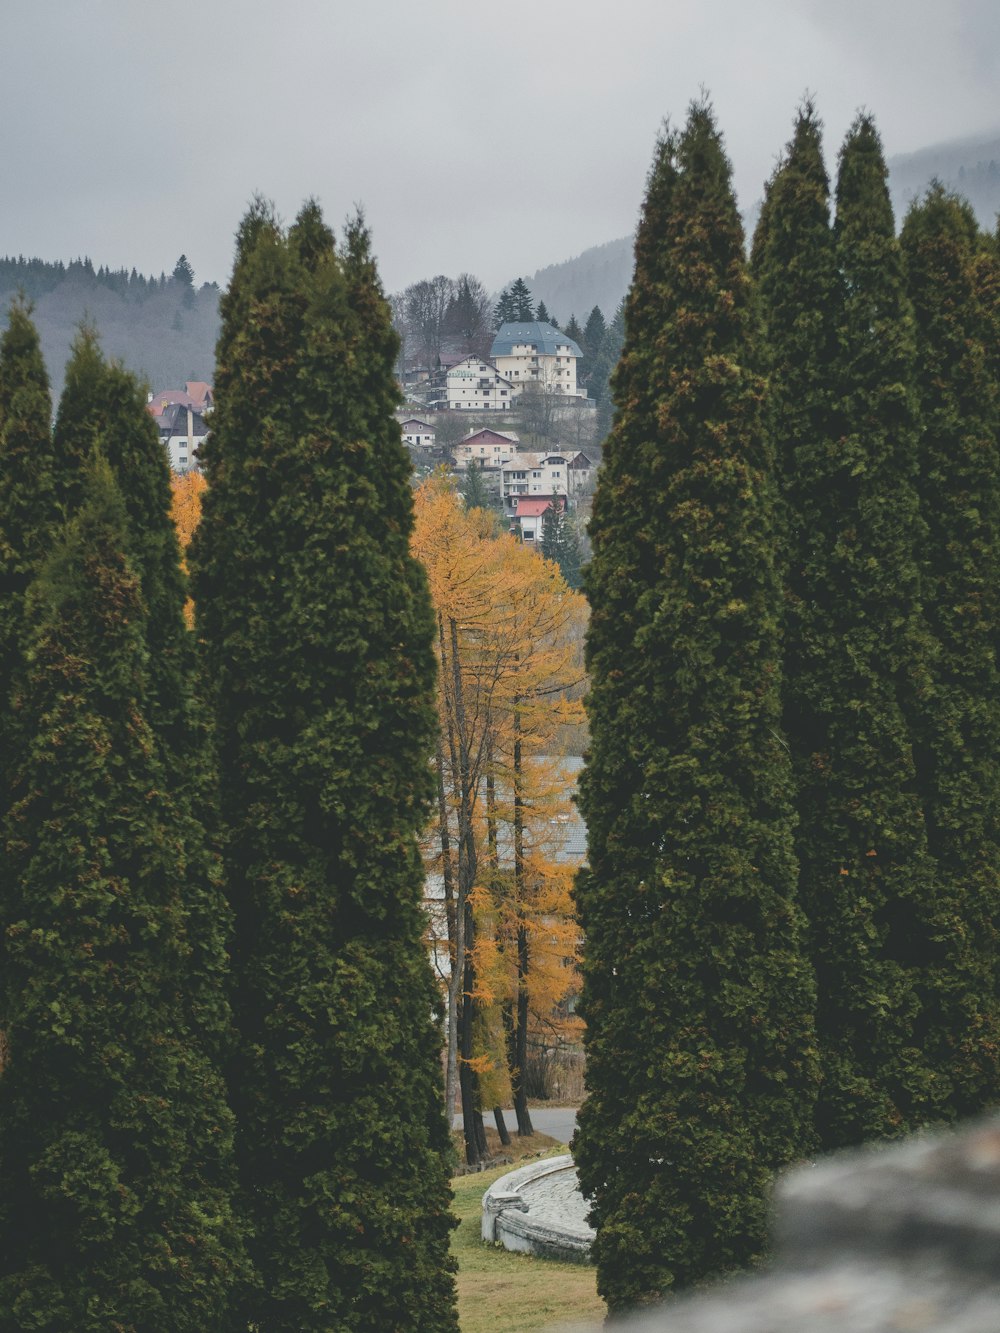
(958, 724)
(520, 296)
(840, 339)
(115, 1138)
(104, 405)
(593, 336)
(574, 331)
(599, 386)
(29, 511)
(473, 489)
(78, 419)
(696, 995)
(317, 635)
(542, 314)
(505, 310)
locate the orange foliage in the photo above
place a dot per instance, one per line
(186, 489)
(510, 650)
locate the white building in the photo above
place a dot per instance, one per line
(475, 384)
(182, 430)
(485, 448)
(543, 476)
(418, 433)
(537, 353)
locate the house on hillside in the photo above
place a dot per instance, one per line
(195, 394)
(418, 433)
(528, 515)
(474, 384)
(486, 448)
(543, 476)
(182, 430)
(535, 353)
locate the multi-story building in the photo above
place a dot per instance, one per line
(474, 384)
(182, 430)
(486, 448)
(535, 353)
(418, 433)
(543, 476)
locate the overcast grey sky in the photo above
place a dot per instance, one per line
(490, 137)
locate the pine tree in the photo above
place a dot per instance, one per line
(115, 1137)
(317, 631)
(183, 272)
(505, 310)
(574, 331)
(958, 753)
(520, 296)
(543, 316)
(593, 335)
(552, 530)
(473, 489)
(696, 995)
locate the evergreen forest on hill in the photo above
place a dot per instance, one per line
(164, 329)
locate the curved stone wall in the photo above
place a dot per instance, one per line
(538, 1209)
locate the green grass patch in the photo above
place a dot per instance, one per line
(500, 1292)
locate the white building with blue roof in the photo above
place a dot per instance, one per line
(532, 352)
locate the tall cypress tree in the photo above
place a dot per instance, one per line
(958, 727)
(103, 405)
(115, 1138)
(29, 511)
(697, 1000)
(840, 335)
(317, 632)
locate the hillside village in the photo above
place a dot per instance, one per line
(530, 376)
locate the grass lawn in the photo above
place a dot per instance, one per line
(500, 1292)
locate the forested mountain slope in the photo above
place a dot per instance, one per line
(164, 328)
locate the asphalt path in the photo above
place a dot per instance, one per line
(559, 1122)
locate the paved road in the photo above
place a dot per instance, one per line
(558, 1122)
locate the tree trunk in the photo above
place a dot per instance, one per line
(524, 1125)
(455, 931)
(484, 1147)
(501, 1125)
(466, 881)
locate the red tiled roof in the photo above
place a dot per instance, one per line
(532, 506)
(165, 397)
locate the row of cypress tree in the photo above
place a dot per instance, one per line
(219, 1061)
(793, 893)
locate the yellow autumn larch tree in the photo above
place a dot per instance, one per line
(509, 635)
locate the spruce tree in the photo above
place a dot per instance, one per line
(505, 310)
(115, 1138)
(574, 331)
(473, 489)
(317, 634)
(840, 338)
(697, 999)
(543, 316)
(552, 530)
(520, 297)
(958, 724)
(593, 336)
